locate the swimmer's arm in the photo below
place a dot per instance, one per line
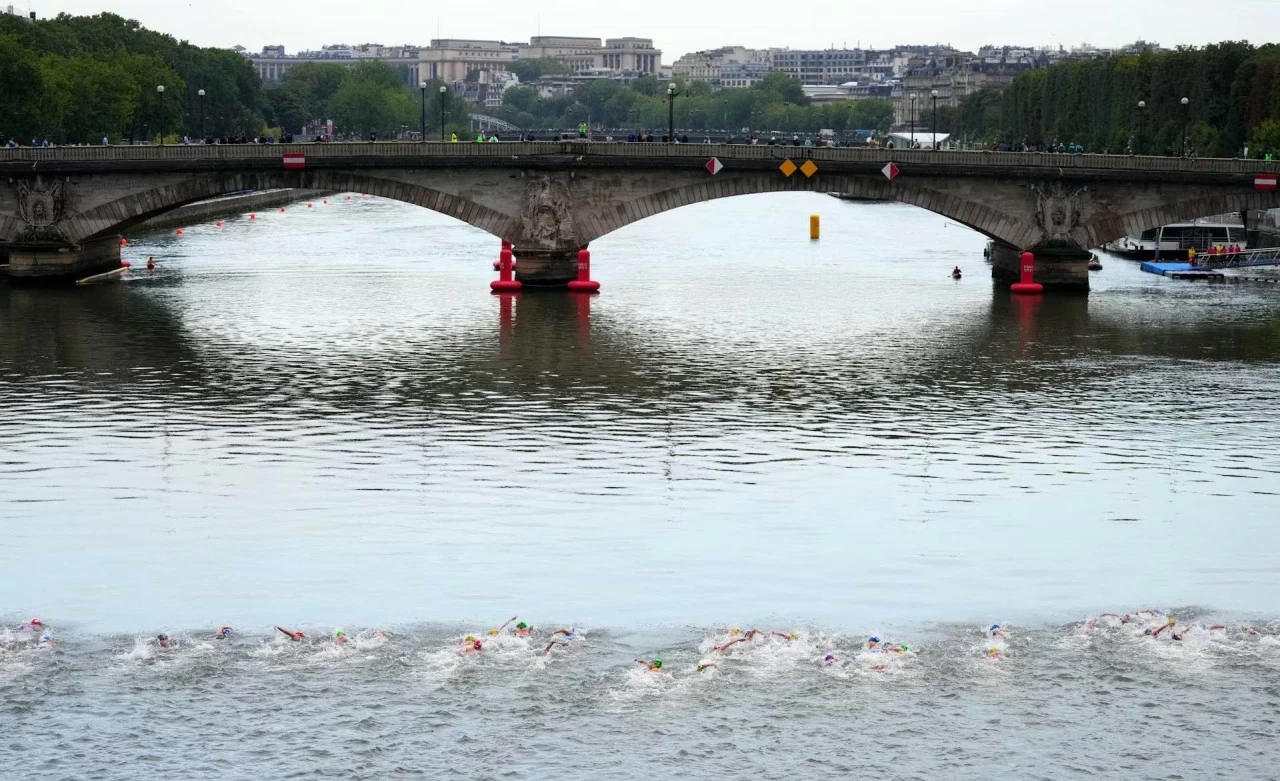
(1113, 615)
(564, 632)
(780, 634)
(1217, 626)
(287, 633)
(548, 648)
(1157, 632)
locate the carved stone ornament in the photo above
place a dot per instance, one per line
(548, 215)
(1058, 208)
(40, 207)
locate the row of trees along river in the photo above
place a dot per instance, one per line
(1232, 91)
(76, 79)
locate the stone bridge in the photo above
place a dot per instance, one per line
(62, 210)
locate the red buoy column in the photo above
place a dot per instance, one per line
(584, 283)
(505, 283)
(497, 264)
(1028, 285)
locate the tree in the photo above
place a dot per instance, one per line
(529, 71)
(1265, 138)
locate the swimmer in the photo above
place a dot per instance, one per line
(569, 634)
(788, 638)
(1172, 622)
(33, 626)
(1124, 619)
(523, 629)
(223, 633)
(46, 642)
(1248, 630)
(705, 666)
(498, 631)
(151, 264)
(902, 649)
(547, 650)
(995, 631)
(995, 653)
(873, 644)
(295, 636)
(471, 645)
(654, 667)
(829, 660)
(162, 640)
(340, 637)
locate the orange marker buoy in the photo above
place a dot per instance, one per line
(178, 231)
(310, 205)
(281, 208)
(348, 197)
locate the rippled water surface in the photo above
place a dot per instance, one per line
(321, 418)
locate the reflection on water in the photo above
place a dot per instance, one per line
(323, 416)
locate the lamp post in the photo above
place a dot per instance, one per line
(443, 92)
(671, 112)
(1186, 123)
(201, 94)
(422, 129)
(934, 95)
(912, 143)
(160, 116)
(1142, 120)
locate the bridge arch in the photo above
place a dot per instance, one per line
(967, 211)
(129, 210)
(1110, 227)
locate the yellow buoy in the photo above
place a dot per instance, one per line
(813, 226)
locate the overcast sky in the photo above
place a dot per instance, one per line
(681, 27)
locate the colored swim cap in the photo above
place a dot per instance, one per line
(224, 631)
(794, 635)
(493, 633)
(1172, 620)
(904, 647)
(657, 663)
(701, 667)
(522, 625)
(992, 651)
(36, 622)
(339, 633)
(829, 658)
(46, 638)
(477, 645)
(873, 639)
(469, 638)
(994, 627)
(735, 631)
(162, 637)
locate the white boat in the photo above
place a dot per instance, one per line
(1173, 241)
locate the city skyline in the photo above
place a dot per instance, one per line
(929, 22)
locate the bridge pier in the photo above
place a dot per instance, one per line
(36, 262)
(546, 268)
(1059, 269)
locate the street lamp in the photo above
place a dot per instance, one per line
(160, 117)
(671, 112)
(934, 95)
(912, 143)
(422, 134)
(1142, 120)
(443, 91)
(1186, 124)
(200, 92)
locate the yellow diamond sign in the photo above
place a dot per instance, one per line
(787, 168)
(808, 169)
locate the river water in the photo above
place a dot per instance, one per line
(320, 418)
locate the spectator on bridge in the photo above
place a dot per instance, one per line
(453, 138)
(684, 138)
(493, 139)
(480, 138)
(106, 141)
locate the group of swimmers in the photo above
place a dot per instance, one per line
(1154, 623)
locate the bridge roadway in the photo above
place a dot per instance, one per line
(63, 208)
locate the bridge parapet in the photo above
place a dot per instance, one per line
(620, 151)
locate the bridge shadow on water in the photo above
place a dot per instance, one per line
(557, 353)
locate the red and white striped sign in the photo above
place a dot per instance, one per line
(1264, 182)
(295, 160)
(714, 166)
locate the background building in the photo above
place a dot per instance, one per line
(709, 65)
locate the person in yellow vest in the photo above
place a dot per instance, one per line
(479, 138)
(1191, 255)
(453, 137)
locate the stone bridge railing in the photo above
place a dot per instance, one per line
(400, 152)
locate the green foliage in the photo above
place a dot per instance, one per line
(530, 70)
(78, 78)
(776, 103)
(1266, 138)
(1231, 89)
